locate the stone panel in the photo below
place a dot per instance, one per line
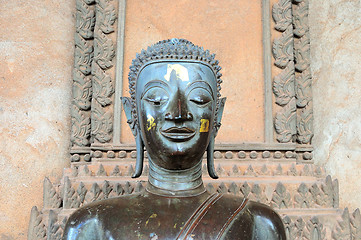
(36, 59)
(336, 55)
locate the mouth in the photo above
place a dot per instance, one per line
(178, 134)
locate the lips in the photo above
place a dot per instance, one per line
(178, 134)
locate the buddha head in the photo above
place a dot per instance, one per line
(175, 106)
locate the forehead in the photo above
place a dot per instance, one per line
(183, 72)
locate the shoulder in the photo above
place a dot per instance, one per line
(266, 222)
(88, 222)
(250, 220)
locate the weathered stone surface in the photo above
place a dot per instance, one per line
(36, 58)
(335, 28)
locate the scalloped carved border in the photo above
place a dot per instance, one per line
(293, 86)
(284, 83)
(82, 86)
(102, 82)
(303, 72)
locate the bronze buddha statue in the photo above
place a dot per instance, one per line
(175, 111)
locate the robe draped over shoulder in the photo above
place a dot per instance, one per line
(148, 216)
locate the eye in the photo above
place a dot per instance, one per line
(156, 96)
(154, 101)
(200, 96)
(199, 101)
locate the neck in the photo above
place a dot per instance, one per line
(175, 183)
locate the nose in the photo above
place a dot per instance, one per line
(177, 110)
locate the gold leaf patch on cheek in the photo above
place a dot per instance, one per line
(204, 125)
(150, 123)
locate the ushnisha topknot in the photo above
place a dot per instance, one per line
(171, 50)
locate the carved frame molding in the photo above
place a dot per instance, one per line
(98, 79)
(293, 86)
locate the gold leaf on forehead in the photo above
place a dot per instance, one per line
(181, 72)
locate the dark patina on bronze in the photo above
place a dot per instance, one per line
(175, 111)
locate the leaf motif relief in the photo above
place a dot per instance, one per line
(37, 229)
(303, 198)
(303, 88)
(83, 56)
(302, 53)
(282, 14)
(305, 124)
(102, 87)
(327, 189)
(51, 197)
(54, 229)
(106, 16)
(101, 123)
(300, 229)
(281, 197)
(315, 230)
(80, 126)
(82, 90)
(356, 224)
(289, 227)
(342, 230)
(285, 122)
(85, 19)
(283, 48)
(71, 199)
(300, 18)
(82, 191)
(82, 86)
(103, 50)
(317, 195)
(284, 85)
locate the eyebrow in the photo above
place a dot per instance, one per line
(155, 83)
(200, 84)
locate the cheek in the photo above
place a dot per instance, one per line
(151, 123)
(204, 128)
(205, 120)
(150, 120)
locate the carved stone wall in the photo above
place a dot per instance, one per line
(82, 83)
(36, 78)
(293, 86)
(307, 200)
(102, 77)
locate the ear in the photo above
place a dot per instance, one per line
(210, 158)
(140, 155)
(221, 104)
(127, 106)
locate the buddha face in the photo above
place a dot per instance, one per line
(176, 104)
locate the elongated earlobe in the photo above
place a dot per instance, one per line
(140, 155)
(127, 106)
(210, 149)
(210, 158)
